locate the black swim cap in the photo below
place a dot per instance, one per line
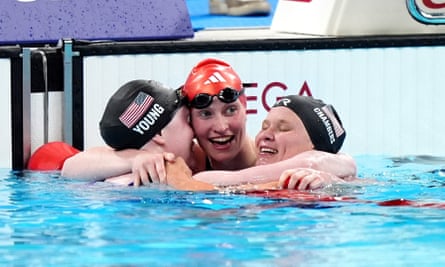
(136, 112)
(320, 120)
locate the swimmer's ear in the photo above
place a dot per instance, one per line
(158, 139)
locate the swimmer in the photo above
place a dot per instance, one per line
(295, 125)
(218, 117)
(141, 116)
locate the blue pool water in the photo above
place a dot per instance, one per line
(46, 220)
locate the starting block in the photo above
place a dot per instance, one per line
(359, 17)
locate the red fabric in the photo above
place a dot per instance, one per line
(51, 156)
(311, 197)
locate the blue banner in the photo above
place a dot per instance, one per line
(47, 21)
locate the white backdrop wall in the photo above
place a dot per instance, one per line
(55, 115)
(389, 99)
(5, 114)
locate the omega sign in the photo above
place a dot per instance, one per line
(303, 90)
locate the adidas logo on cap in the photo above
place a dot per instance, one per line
(216, 77)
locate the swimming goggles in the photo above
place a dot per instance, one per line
(226, 95)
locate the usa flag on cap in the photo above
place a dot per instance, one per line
(136, 109)
(338, 129)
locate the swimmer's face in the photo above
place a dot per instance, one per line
(281, 137)
(220, 129)
(179, 135)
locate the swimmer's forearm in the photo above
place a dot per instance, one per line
(340, 164)
(97, 164)
(192, 185)
(254, 175)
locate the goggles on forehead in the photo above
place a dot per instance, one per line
(226, 95)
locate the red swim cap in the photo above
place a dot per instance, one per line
(51, 156)
(210, 76)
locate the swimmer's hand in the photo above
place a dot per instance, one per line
(179, 176)
(150, 168)
(306, 179)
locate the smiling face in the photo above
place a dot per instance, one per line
(220, 129)
(282, 136)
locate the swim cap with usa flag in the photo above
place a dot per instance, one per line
(321, 121)
(136, 112)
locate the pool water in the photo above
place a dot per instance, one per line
(46, 220)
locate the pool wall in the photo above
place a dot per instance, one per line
(389, 99)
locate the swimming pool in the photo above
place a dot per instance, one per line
(46, 220)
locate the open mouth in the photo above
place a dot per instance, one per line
(222, 140)
(268, 150)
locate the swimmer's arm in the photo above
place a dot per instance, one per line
(253, 175)
(179, 176)
(99, 163)
(180, 183)
(339, 165)
(125, 180)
